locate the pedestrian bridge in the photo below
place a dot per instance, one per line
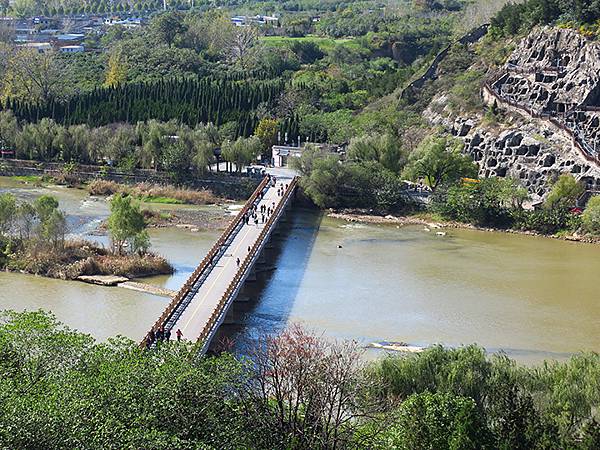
(202, 303)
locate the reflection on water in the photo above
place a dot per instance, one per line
(534, 298)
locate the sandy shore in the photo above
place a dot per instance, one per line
(367, 217)
(193, 220)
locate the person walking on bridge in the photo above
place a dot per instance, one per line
(160, 334)
(179, 335)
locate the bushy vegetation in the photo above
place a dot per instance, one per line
(196, 66)
(498, 202)
(177, 149)
(60, 389)
(520, 17)
(363, 183)
(152, 192)
(591, 216)
(31, 228)
(33, 240)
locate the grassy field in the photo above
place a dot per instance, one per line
(158, 199)
(324, 42)
(28, 178)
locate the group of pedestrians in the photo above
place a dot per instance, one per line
(161, 335)
(261, 214)
(281, 190)
(256, 212)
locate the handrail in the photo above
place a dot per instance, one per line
(576, 140)
(193, 278)
(245, 265)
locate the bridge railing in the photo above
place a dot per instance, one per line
(205, 263)
(244, 266)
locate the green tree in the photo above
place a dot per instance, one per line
(167, 27)
(439, 160)
(564, 193)
(242, 151)
(126, 225)
(45, 206)
(9, 129)
(8, 209)
(591, 215)
(488, 202)
(177, 158)
(322, 184)
(52, 224)
(52, 229)
(436, 421)
(385, 149)
(266, 131)
(33, 76)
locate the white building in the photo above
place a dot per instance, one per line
(244, 21)
(40, 47)
(72, 49)
(281, 154)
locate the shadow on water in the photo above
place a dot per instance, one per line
(271, 297)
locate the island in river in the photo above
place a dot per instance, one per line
(73, 258)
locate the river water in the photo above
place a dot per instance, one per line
(534, 298)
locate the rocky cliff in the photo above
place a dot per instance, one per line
(553, 70)
(549, 90)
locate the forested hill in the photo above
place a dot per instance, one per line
(325, 63)
(332, 72)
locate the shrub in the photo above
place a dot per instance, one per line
(546, 221)
(564, 193)
(591, 216)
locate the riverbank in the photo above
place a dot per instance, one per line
(433, 222)
(82, 258)
(163, 206)
(155, 193)
(221, 184)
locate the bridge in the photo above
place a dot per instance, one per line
(201, 305)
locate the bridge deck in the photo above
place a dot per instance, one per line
(207, 299)
(202, 301)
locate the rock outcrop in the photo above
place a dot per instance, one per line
(555, 73)
(553, 70)
(530, 153)
(551, 88)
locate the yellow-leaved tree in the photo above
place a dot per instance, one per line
(116, 73)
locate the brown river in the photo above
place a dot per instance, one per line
(534, 298)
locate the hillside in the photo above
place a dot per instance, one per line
(541, 119)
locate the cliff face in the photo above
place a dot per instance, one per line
(532, 153)
(553, 70)
(550, 92)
